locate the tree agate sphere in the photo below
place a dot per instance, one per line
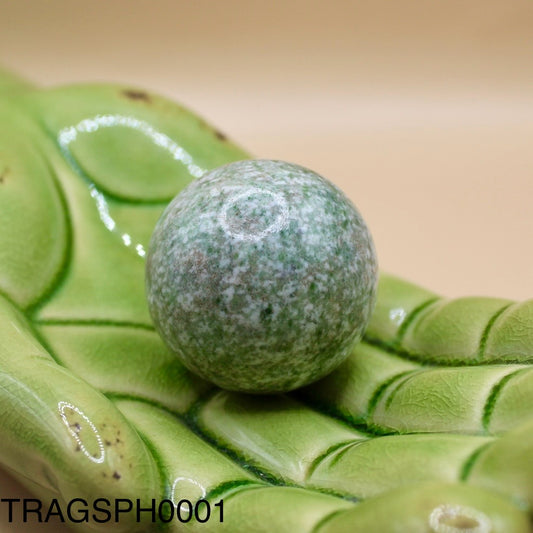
(261, 276)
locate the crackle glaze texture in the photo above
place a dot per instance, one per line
(261, 276)
(427, 427)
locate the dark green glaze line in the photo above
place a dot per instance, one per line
(330, 410)
(395, 346)
(94, 322)
(192, 419)
(119, 199)
(320, 524)
(120, 396)
(361, 423)
(493, 396)
(394, 351)
(345, 496)
(44, 343)
(61, 275)
(422, 360)
(231, 489)
(413, 316)
(36, 333)
(162, 471)
(194, 410)
(487, 330)
(164, 478)
(331, 492)
(381, 389)
(10, 300)
(323, 456)
(73, 163)
(189, 421)
(400, 386)
(471, 461)
(228, 489)
(341, 453)
(403, 354)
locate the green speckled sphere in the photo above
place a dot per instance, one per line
(261, 276)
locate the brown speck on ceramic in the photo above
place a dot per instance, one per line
(221, 136)
(136, 95)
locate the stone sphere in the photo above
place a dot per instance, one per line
(261, 276)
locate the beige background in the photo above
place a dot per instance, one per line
(422, 111)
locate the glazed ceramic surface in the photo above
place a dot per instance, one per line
(427, 426)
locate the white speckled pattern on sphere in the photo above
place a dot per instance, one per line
(261, 276)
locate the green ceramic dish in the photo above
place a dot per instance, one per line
(427, 427)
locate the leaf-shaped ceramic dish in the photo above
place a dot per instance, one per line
(427, 427)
